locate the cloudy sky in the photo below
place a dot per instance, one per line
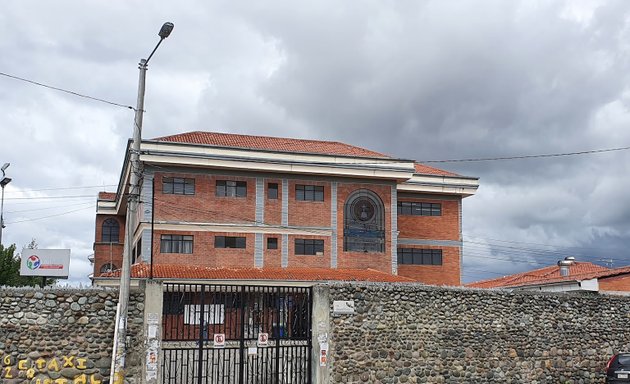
(428, 80)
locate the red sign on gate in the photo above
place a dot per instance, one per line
(219, 340)
(263, 339)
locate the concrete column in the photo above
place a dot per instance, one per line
(153, 301)
(321, 333)
(394, 232)
(333, 224)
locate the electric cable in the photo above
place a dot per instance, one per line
(67, 91)
(49, 216)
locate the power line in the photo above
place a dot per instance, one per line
(67, 91)
(64, 188)
(49, 197)
(540, 244)
(49, 208)
(49, 216)
(526, 156)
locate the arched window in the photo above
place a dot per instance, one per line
(110, 231)
(364, 223)
(109, 267)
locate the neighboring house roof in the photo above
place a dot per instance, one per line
(548, 275)
(267, 143)
(178, 271)
(427, 170)
(107, 196)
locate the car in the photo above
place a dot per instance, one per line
(618, 368)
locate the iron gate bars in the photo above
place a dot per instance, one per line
(194, 313)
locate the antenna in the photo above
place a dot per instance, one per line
(607, 262)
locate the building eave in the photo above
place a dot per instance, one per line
(161, 153)
(578, 283)
(457, 185)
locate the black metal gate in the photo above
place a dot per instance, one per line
(194, 313)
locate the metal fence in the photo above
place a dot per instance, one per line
(194, 313)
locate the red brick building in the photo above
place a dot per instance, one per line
(226, 202)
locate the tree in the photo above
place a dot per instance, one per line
(10, 268)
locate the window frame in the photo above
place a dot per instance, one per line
(308, 192)
(230, 242)
(272, 243)
(419, 208)
(180, 244)
(186, 184)
(110, 233)
(231, 188)
(420, 256)
(275, 188)
(309, 247)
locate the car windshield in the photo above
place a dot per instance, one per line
(624, 360)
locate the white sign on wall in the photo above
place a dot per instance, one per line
(343, 307)
(45, 262)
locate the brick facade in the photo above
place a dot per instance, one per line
(619, 283)
(205, 207)
(108, 252)
(345, 173)
(444, 228)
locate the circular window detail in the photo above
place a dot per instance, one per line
(364, 222)
(107, 268)
(363, 209)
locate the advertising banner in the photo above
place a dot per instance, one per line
(45, 262)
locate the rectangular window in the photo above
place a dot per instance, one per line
(272, 243)
(229, 242)
(228, 188)
(417, 256)
(309, 192)
(212, 314)
(272, 191)
(176, 244)
(178, 186)
(419, 209)
(309, 247)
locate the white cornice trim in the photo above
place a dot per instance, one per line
(456, 185)
(236, 228)
(268, 161)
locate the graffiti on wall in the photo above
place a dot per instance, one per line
(39, 370)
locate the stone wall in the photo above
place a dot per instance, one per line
(63, 336)
(419, 334)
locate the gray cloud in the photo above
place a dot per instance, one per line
(413, 79)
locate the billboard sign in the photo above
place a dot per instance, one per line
(45, 262)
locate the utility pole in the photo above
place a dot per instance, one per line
(3, 183)
(130, 224)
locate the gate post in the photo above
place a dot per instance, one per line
(320, 334)
(153, 301)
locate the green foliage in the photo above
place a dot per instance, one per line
(10, 269)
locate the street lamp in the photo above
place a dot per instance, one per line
(3, 183)
(132, 206)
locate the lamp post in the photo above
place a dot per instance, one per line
(3, 183)
(132, 207)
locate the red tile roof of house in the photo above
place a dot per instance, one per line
(578, 271)
(427, 170)
(177, 271)
(271, 144)
(107, 196)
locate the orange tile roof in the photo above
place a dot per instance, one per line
(107, 196)
(578, 271)
(271, 144)
(177, 271)
(426, 170)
